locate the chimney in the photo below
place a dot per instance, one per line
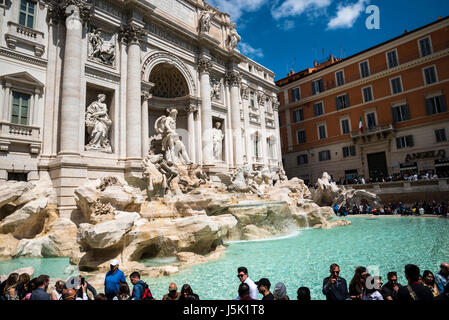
(331, 58)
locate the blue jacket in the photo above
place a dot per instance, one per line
(112, 282)
(138, 290)
(40, 294)
(337, 291)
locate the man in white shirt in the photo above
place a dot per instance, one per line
(242, 274)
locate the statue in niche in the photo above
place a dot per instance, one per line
(174, 148)
(233, 39)
(98, 124)
(215, 90)
(217, 139)
(99, 49)
(206, 18)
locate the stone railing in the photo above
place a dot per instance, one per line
(20, 34)
(20, 134)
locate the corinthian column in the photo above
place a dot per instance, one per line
(233, 79)
(205, 67)
(191, 109)
(145, 129)
(132, 34)
(76, 12)
(275, 104)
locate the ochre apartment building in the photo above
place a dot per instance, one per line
(397, 92)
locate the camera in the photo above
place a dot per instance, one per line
(83, 281)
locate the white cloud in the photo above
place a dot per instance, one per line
(286, 25)
(291, 8)
(347, 15)
(250, 51)
(236, 8)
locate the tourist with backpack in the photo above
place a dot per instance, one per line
(141, 291)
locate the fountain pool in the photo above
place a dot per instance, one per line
(387, 243)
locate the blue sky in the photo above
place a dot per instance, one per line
(285, 34)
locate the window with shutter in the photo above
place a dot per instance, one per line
(430, 75)
(425, 47)
(440, 135)
(364, 69)
(318, 109)
(392, 59)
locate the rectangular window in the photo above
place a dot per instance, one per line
(251, 99)
(436, 105)
(440, 135)
(340, 78)
(392, 59)
(298, 115)
(27, 13)
(20, 108)
(295, 95)
(371, 120)
(301, 136)
(342, 101)
(302, 159)
(317, 86)
(430, 75)
(322, 131)
(364, 69)
(401, 113)
(324, 155)
(348, 151)
(318, 109)
(344, 126)
(367, 94)
(396, 85)
(404, 142)
(425, 47)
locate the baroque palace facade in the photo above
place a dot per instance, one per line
(377, 113)
(82, 83)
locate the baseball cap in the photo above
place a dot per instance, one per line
(114, 262)
(172, 287)
(264, 282)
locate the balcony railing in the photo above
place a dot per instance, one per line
(386, 128)
(20, 34)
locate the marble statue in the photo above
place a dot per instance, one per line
(215, 90)
(174, 148)
(99, 49)
(217, 139)
(98, 124)
(206, 18)
(233, 39)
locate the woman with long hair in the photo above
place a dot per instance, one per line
(20, 289)
(123, 292)
(9, 292)
(428, 279)
(187, 293)
(356, 284)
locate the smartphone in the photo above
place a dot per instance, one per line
(82, 281)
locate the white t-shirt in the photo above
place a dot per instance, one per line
(372, 296)
(57, 294)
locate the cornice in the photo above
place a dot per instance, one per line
(23, 57)
(370, 79)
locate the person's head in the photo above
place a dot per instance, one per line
(303, 294)
(134, 277)
(43, 281)
(334, 270)
(412, 273)
(11, 282)
(59, 286)
(360, 274)
(101, 296)
(24, 278)
(101, 97)
(392, 278)
(280, 291)
(31, 285)
(123, 289)
(428, 278)
(242, 273)
(218, 124)
(263, 285)
(186, 291)
(69, 294)
(172, 289)
(173, 113)
(114, 265)
(444, 269)
(243, 290)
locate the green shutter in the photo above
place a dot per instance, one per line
(442, 103)
(429, 106)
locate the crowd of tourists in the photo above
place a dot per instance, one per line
(363, 286)
(393, 208)
(394, 177)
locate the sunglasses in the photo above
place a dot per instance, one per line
(240, 276)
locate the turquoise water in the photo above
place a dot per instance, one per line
(304, 259)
